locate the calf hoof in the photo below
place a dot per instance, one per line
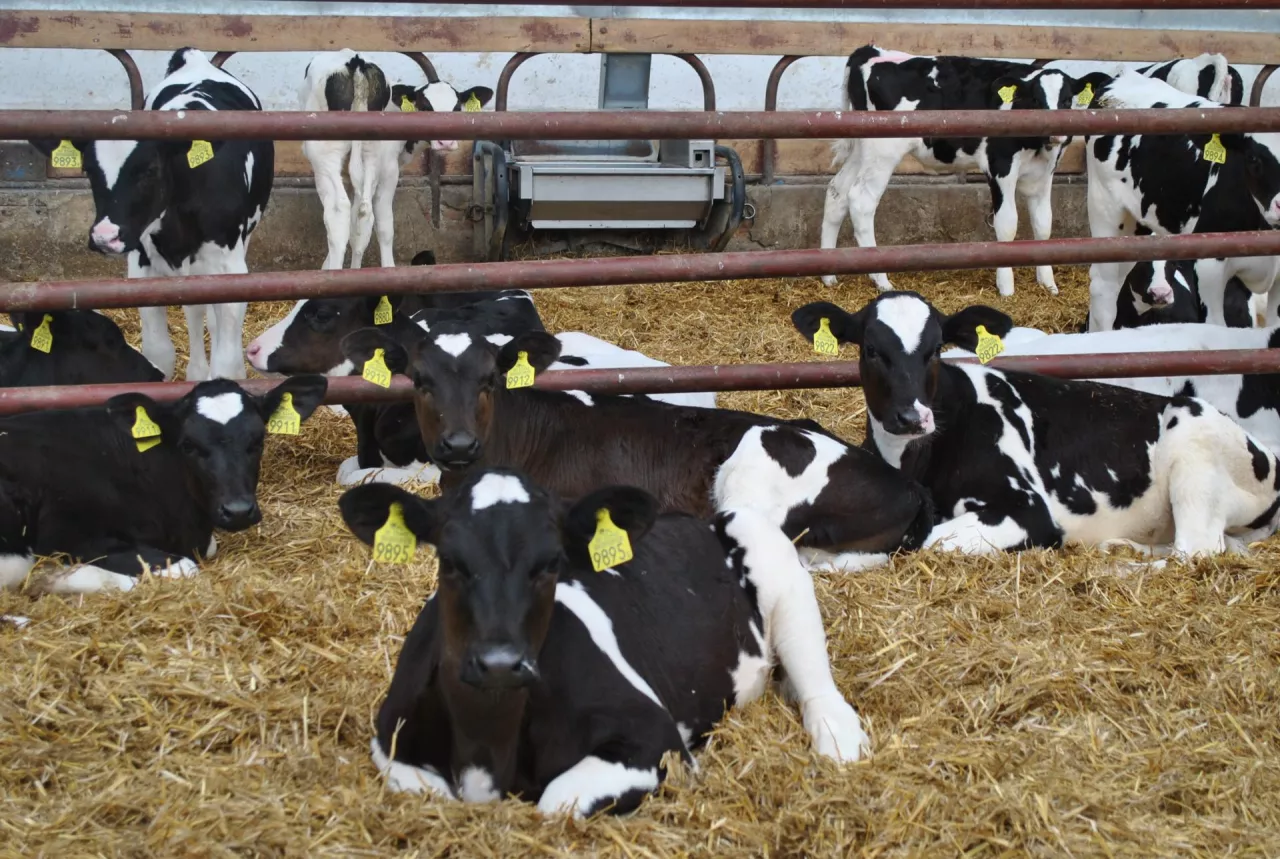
(182, 568)
(836, 729)
(828, 280)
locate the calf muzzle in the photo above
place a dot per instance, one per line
(499, 667)
(238, 515)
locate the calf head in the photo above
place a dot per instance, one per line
(901, 338)
(440, 97)
(456, 371)
(502, 542)
(133, 183)
(1044, 89)
(309, 338)
(216, 433)
(1261, 156)
(1170, 288)
(87, 347)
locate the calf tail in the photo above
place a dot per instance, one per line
(854, 98)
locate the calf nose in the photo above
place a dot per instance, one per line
(105, 236)
(1160, 294)
(237, 515)
(444, 145)
(458, 446)
(500, 666)
(252, 352)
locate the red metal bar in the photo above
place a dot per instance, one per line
(137, 98)
(504, 78)
(1055, 5)
(711, 377)
(674, 268)
(704, 78)
(769, 155)
(619, 125)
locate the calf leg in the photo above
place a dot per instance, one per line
(157, 345)
(1004, 207)
(1107, 219)
(226, 341)
(117, 570)
(860, 184)
(384, 197)
(363, 176)
(1039, 199)
(618, 775)
(794, 631)
(197, 360)
(16, 557)
(326, 159)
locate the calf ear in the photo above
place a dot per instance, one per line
(400, 92)
(359, 347)
(543, 350)
(962, 328)
(847, 327)
(631, 509)
(123, 411)
(365, 510)
(371, 302)
(423, 258)
(482, 94)
(308, 393)
(1000, 89)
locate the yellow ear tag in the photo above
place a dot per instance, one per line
(42, 337)
(1214, 150)
(394, 543)
(285, 420)
(375, 370)
(824, 342)
(407, 105)
(1085, 97)
(383, 314)
(521, 373)
(472, 105)
(66, 157)
(145, 432)
(610, 546)
(200, 152)
(1006, 93)
(989, 345)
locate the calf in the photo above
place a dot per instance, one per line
(528, 673)
(1160, 293)
(1171, 184)
(825, 494)
(183, 208)
(1207, 76)
(876, 79)
(1252, 400)
(345, 81)
(135, 486)
(1021, 460)
(71, 347)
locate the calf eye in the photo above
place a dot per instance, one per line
(188, 448)
(870, 353)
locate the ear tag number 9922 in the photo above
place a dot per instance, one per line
(989, 345)
(824, 342)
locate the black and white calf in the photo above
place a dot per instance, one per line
(1168, 185)
(1252, 400)
(172, 218)
(1162, 293)
(528, 673)
(829, 496)
(876, 79)
(1019, 460)
(1207, 76)
(79, 482)
(72, 347)
(345, 81)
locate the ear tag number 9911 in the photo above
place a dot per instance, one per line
(285, 420)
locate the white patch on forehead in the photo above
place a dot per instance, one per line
(441, 96)
(498, 489)
(454, 344)
(499, 340)
(221, 408)
(111, 155)
(1052, 86)
(906, 316)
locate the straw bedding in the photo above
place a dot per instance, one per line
(1037, 704)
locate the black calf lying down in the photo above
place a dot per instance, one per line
(845, 507)
(1023, 460)
(135, 486)
(70, 347)
(529, 673)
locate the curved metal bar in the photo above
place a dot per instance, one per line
(738, 189)
(704, 75)
(504, 79)
(221, 57)
(1255, 97)
(769, 148)
(425, 64)
(137, 99)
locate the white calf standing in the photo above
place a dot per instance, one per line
(344, 80)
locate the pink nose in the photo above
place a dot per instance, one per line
(1160, 294)
(105, 234)
(444, 145)
(926, 418)
(254, 353)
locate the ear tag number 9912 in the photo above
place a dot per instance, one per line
(375, 370)
(521, 373)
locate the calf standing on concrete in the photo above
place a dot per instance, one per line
(182, 208)
(344, 80)
(527, 672)
(1021, 460)
(876, 79)
(136, 485)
